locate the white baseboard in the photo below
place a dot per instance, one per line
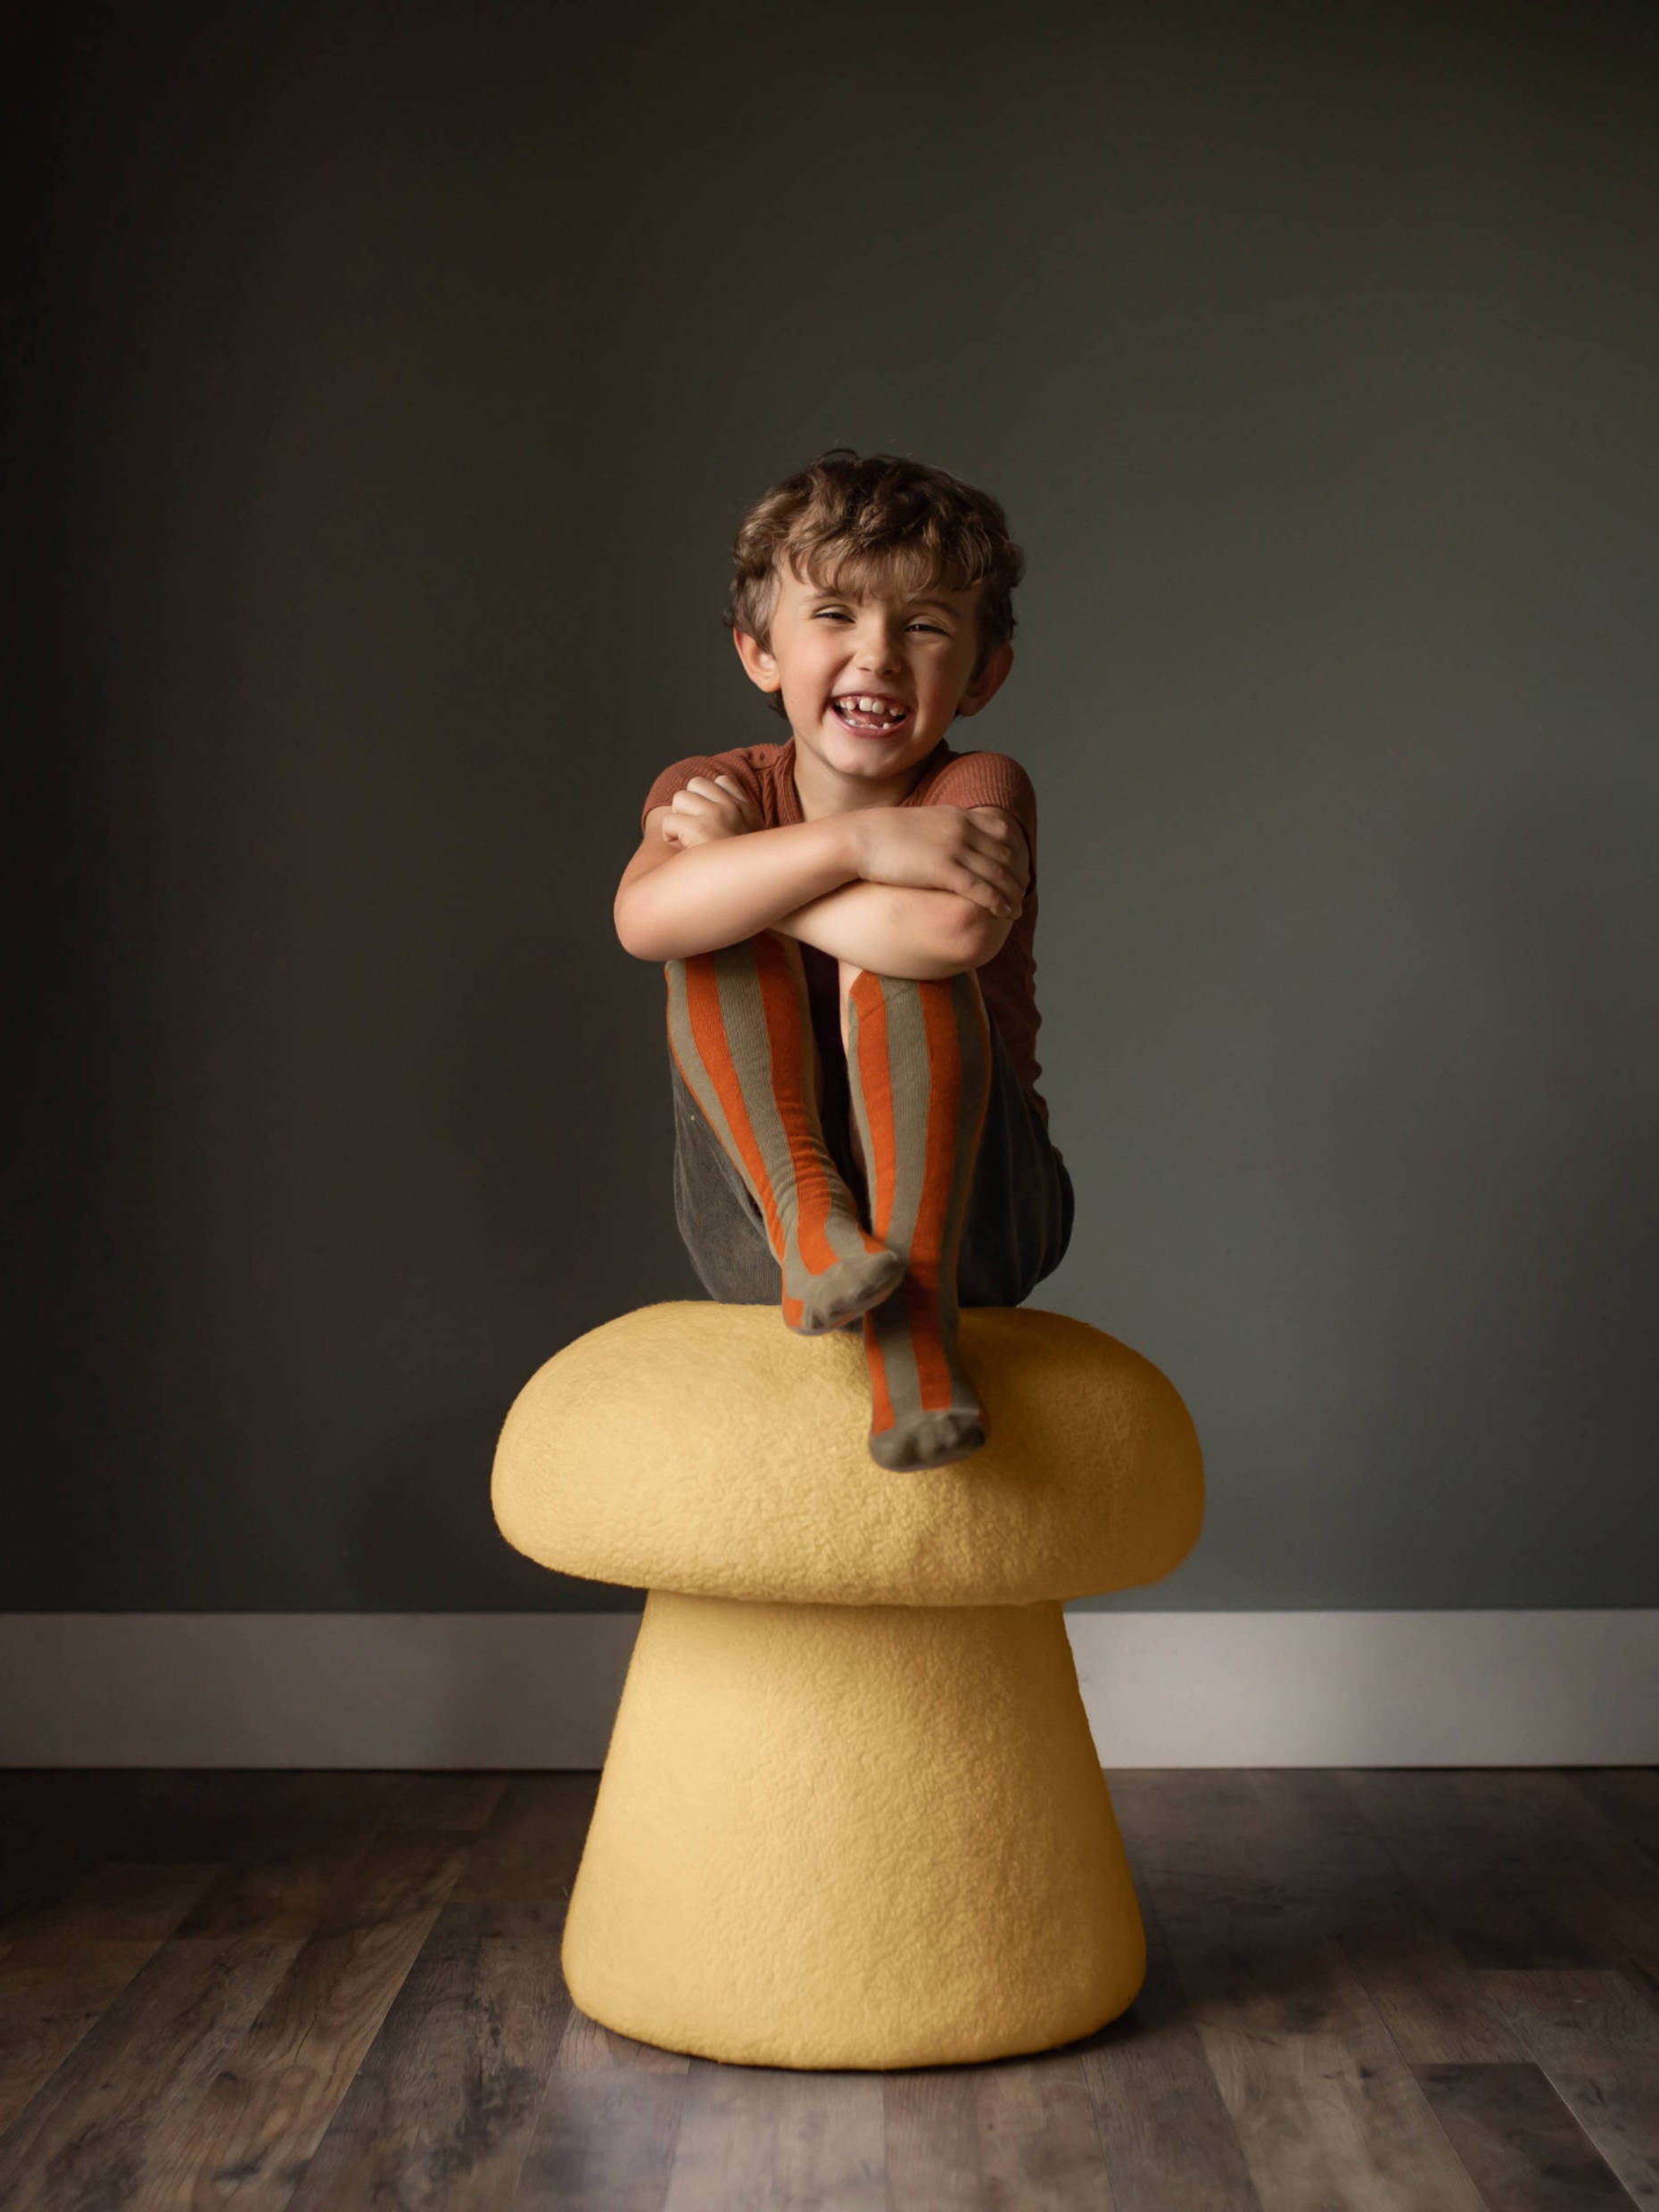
(539, 1690)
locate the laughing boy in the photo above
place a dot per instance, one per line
(845, 922)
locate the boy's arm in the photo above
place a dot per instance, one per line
(727, 879)
(893, 929)
(892, 934)
(677, 900)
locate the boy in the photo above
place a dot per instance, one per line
(846, 923)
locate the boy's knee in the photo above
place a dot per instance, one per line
(849, 972)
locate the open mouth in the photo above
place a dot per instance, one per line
(870, 717)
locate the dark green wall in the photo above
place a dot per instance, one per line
(396, 377)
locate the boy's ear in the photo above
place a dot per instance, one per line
(988, 682)
(758, 661)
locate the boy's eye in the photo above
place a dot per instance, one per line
(839, 614)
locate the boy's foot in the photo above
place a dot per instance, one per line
(926, 1440)
(926, 1412)
(842, 1292)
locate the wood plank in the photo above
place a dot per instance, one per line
(109, 2116)
(1628, 1796)
(1012, 2132)
(932, 2141)
(251, 2135)
(1598, 2038)
(201, 1813)
(754, 2138)
(1495, 1904)
(1165, 2135)
(448, 1804)
(56, 1825)
(1524, 2147)
(68, 1961)
(282, 1896)
(280, 1811)
(113, 1903)
(532, 1845)
(293, 1842)
(1325, 2110)
(1604, 1883)
(1039, 2146)
(1341, 1875)
(444, 2106)
(604, 2142)
(212, 1813)
(85, 2138)
(588, 2047)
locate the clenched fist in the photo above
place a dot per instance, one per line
(708, 808)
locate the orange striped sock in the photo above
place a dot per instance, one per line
(740, 1029)
(919, 1066)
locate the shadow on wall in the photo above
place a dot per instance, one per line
(561, 1122)
(424, 1539)
(562, 1118)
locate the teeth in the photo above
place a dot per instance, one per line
(864, 703)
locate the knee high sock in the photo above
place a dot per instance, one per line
(740, 1026)
(919, 1064)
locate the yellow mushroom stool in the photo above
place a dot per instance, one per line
(851, 1813)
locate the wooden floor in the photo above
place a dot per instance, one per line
(1368, 1990)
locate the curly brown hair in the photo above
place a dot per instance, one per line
(847, 520)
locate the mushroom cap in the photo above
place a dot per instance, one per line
(707, 1448)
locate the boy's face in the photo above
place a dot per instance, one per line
(915, 651)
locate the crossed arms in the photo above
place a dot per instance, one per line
(914, 891)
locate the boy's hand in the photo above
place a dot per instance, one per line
(707, 808)
(943, 848)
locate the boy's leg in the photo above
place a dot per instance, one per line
(740, 1026)
(919, 1067)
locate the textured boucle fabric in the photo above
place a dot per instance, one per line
(698, 1447)
(835, 1837)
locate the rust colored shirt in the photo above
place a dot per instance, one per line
(766, 774)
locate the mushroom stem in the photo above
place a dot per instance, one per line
(853, 1836)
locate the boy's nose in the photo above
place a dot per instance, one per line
(878, 652)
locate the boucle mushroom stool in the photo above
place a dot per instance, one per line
(851, 1813)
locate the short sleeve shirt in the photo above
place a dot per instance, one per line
(765, 773)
